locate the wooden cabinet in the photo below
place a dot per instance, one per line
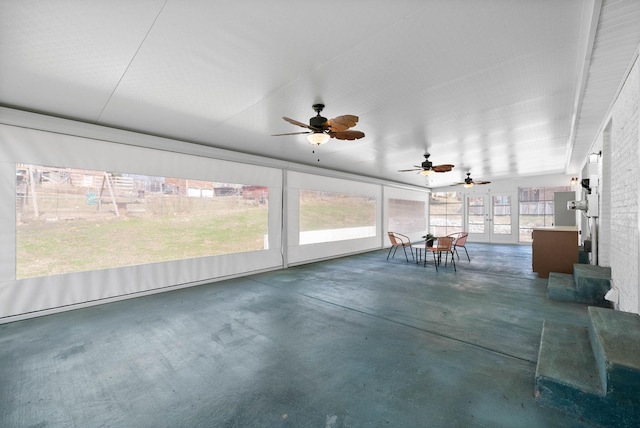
(555, 249)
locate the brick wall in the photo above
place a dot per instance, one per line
(625, 192)
(604, 233)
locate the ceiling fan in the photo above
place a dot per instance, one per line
(322, 129)
(470, 182)
(427, 167)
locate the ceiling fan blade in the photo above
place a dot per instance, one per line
(481, 182)
(342, 123)
(408, 170)
(443, 168)
(336, 127)
(292, 133)
(346, 135)
(295, 122)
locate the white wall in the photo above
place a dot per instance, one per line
(625, 196)
(619, 220)
(604, 246)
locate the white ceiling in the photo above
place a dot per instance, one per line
(503, 88)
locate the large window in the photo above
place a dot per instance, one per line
(332, 216)
(73, 220)
(536, 208)
(445, 213)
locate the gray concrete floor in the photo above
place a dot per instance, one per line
(353, 342)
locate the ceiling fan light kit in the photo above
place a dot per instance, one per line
(318, 138)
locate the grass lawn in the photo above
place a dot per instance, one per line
(49, 248)
(176, 230)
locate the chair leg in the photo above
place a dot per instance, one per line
(405, 253)
(456, 251)
(389, 253)
(394, 248)
(435, 262)
(465, 250)
(453, 260)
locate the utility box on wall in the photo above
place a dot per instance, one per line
(562, 215)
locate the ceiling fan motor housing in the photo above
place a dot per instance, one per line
(317, 122)
(427, 164)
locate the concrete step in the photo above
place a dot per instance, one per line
(561, 286)
(615, 340)
(566, 363)
(566, 374)
(587, 284)
(592, 283)
(583, 256)
(591, 271)
(592, 371)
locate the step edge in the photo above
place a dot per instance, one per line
(603, 338)
(594, 387)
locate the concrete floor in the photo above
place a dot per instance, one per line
(353, 342)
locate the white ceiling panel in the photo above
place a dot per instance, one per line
(502, 88)
(67, 57)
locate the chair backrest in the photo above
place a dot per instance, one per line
(444, 243)
(398, 239)
(462, 239)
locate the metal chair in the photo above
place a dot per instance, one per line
(428, 242)
(444, 245)
(460, 240)
(399, 240)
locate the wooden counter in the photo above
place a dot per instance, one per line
(555, 249)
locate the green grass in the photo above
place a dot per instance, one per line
(51, 248)
(171, 229)
(336, 212)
